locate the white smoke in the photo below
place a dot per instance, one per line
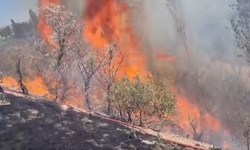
(208, 36)
(206, 23)
(211, 44)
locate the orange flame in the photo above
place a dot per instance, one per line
(188, 111)
(42, 26)
(35, 86)
(165, 56)
(109, 21)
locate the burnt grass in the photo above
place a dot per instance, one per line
(42, 125)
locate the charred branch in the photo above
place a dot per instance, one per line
(20, 76)
(194, 129)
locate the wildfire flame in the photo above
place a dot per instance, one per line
(35, 86)
(107, 21)
(187, 111)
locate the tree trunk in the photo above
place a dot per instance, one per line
(60, 55)
(120, 112)
(129, 116)
(86, 90)
(109, 100)
(109, 105)
(20, 74)
(248, 144)
(64, 87)
(141, 122)
(24, 89)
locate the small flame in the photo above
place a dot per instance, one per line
(36, 86)
(188, 112)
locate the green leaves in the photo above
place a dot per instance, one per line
(164, 102)
(143, 99)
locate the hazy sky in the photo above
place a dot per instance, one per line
(15, 9)
(207, 23)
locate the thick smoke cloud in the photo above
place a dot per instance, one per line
(212, 65)
(76, 6)
(206, 24)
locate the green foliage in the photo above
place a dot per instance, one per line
(164, 102)
(5, 32)
(120, 94)
(142, 99)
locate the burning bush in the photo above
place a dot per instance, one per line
(142, 99)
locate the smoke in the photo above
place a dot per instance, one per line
(206, 24)
(212, 66)
(22, 7)
(76, 6)
(210, 42)
(204, 28)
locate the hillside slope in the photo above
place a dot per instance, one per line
(40, 125)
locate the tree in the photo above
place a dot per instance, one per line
(240, 25)
(61, 53)
(64, 26)
(164, 102)
(6, 32)
(18, 59)
(120, 95)
(108, 74)
(69, 50)
(142, 98)
(33, 17)
(177, 15)
(20, 74)
(236, 91)
(88, 67)
(195, 126)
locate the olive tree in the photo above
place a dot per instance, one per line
(59, 52)
(142, 99)
(120, 95)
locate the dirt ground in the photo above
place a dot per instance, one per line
(43, 125)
